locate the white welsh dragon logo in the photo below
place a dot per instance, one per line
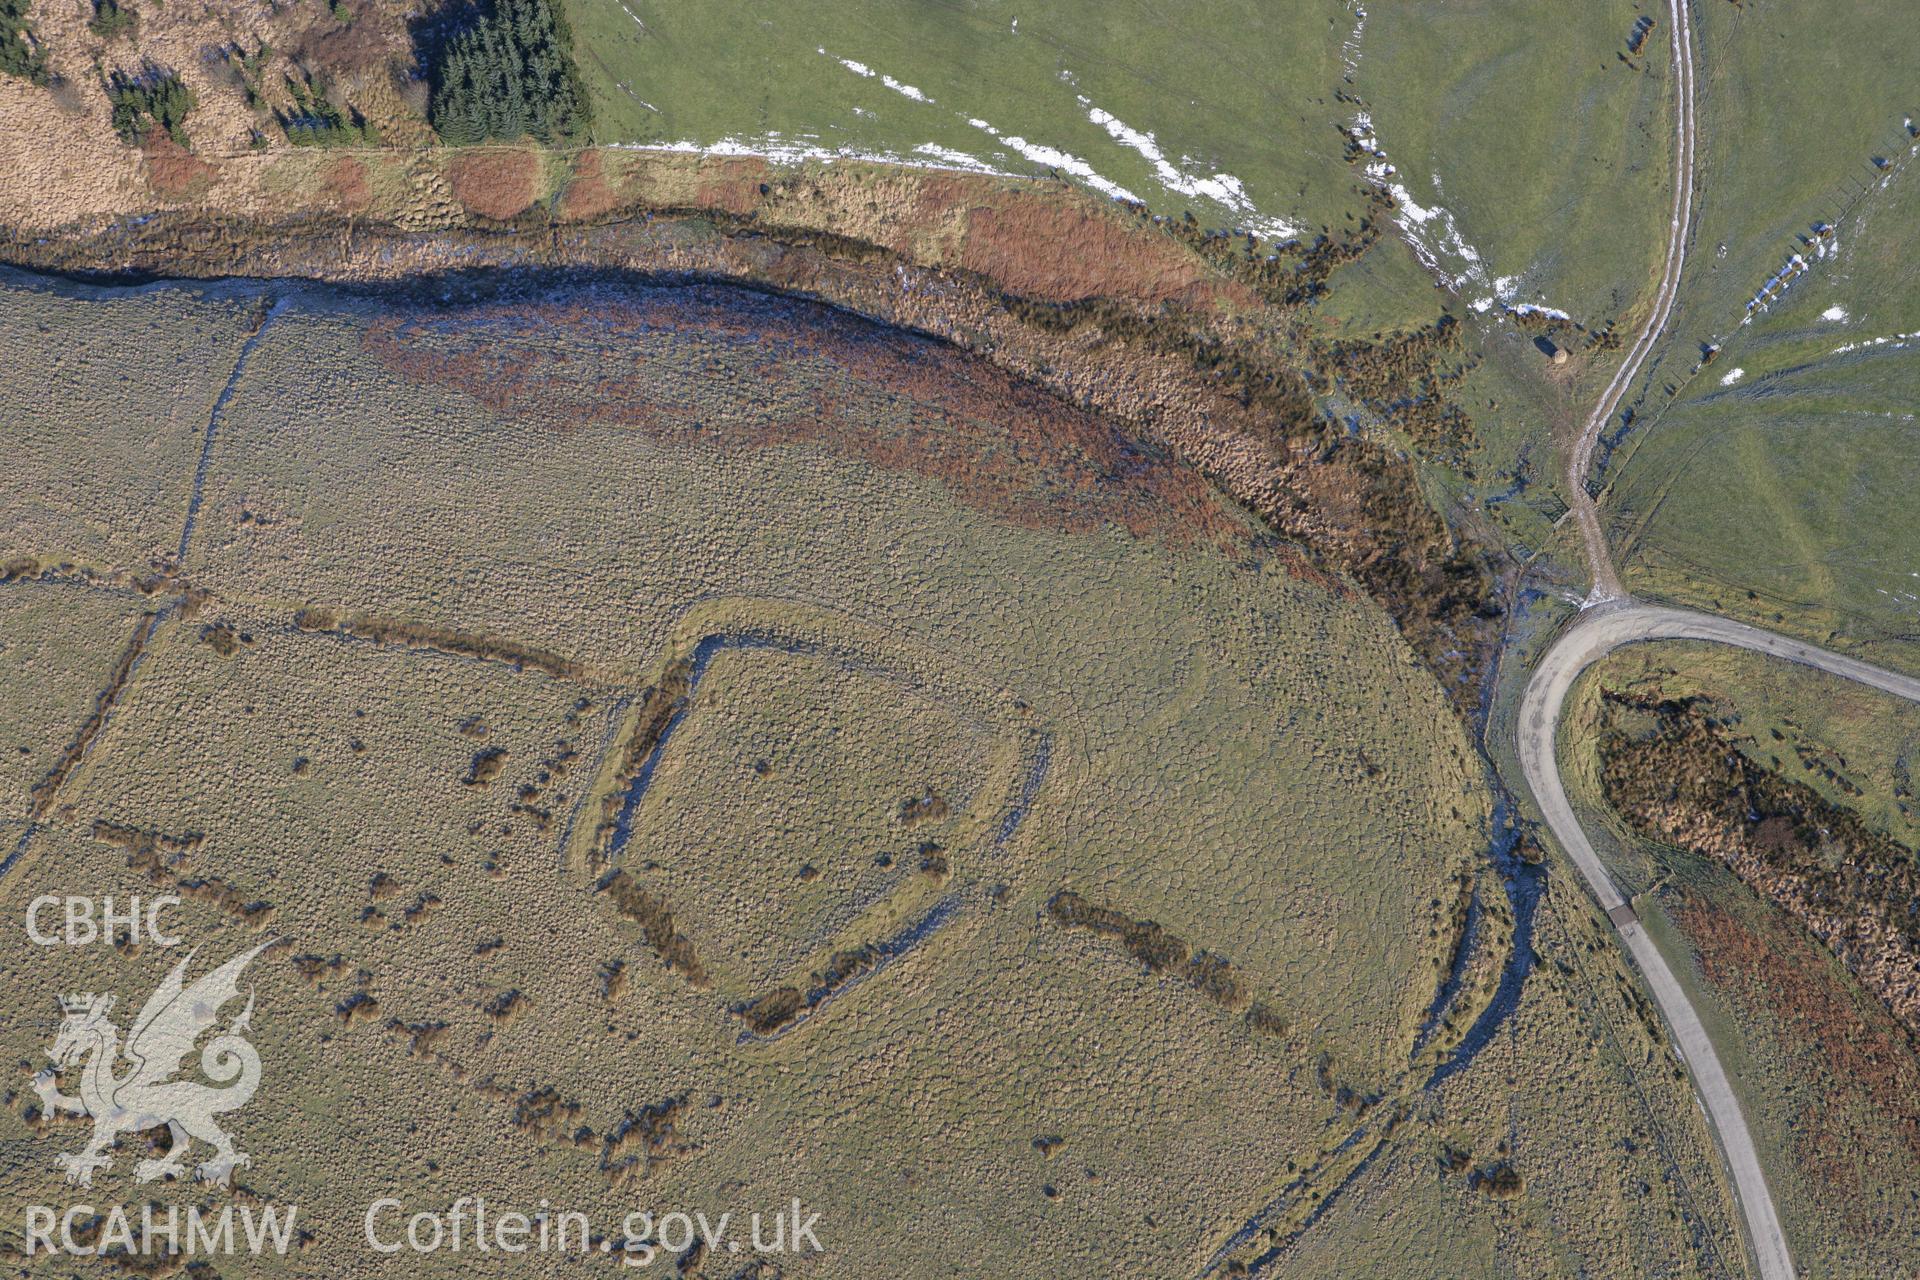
(146, 1096)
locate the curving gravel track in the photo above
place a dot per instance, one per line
(1599, 631)
(1609, 620)
(1606, 584)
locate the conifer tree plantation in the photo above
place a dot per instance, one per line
(507, 74)
(19, 55)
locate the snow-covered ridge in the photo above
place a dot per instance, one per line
(1221, 188)
(1054, 158)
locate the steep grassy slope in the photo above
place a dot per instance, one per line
(1180, 109)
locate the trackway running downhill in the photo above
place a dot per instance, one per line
(1610, 619)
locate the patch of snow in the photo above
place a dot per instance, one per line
(955, 159)
(904, 90)
(1837, 314)
(1184, 178)
(631, 14)
(866, 72)
(1777, 284)
(1126, 137)
(1896, 340)
(1350, 47)
(780, 150)
(1437, 241)
(1733, 376)
(627, 89)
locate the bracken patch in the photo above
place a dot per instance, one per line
(588, 194)
(1687, 783)
(174, 172)
(344, 184)
(1867, 1100)
(494, 184)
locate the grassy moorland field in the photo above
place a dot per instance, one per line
(1797, 102)
(1799, 432)
(1770, 481)
(1822, 1065)
(1258, 93)
(1536, 160)
(704, 748)
(160, 363)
